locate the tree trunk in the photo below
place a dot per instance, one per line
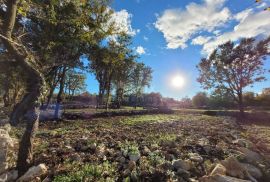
(49, 97)
(34, 82)
(54, 81)
(241, 105)
(108, 95)
(59, 96)
(100, 94)
(26, 143)
(136, 101)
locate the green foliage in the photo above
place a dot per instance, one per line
(89, 172)
(200, 99)
(129, 147)
(156, 158)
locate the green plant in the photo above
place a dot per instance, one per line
(129, 147)
(156, 158)
(89, 172)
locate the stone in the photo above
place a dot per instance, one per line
(250, 156)
(134, 157)
(6, 144)
(33, 172)
(92, 147)
(219, 169)
(221, 178)
(122, 160)
(234, 168)
(242, 142)
(100, 150)
(183, 173)
(9, 176)
(126, 173)
(131, 165)
(252, 170)
(76, 157)
(146, 150)
(186, 165)
(195, 157)
(167, 166)
(203, 142)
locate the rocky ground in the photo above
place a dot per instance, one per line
(161, 147)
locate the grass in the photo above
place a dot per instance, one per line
(88, 172)
(142, 119)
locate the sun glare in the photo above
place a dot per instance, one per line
(178, 81)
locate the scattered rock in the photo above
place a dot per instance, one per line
(250, 156)
(100, 150)
(126, 173)
(131, 165)
(186, 165)
(33, 172)
(221, 178)
(219, 169)
(253, 171)
(92, 147)
(167, 166)
(6, 144)
(242, 142)
(183, 173)
(234, 168)
(146, 150)
(9, 176)
(203, 142)
(76, 157)
(195, 157)
(121, 160)
(134, 157)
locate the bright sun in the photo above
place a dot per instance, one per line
(178, 81)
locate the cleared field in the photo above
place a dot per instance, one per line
(140, 148)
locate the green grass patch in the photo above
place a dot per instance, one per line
(89, 172)
(135, 120)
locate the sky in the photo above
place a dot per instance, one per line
(171, 36)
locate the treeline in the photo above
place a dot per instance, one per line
(67, 50)
(225, 100)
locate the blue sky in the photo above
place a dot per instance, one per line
(171, 36)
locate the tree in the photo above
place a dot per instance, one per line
(221, 99)
(140, 77)
(123, 69)
(34, 78)
(263, 99)
(186, 102)
(233, 67)
(200, 99)
(75, 82)
(112, 64)
(249, 99)
(39, 36)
